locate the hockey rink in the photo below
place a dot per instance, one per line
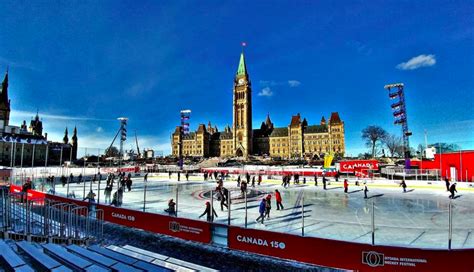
(417, 218)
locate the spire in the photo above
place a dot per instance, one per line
(66, 138)
(242, 71)
(74, 135)
(268, 121)
(5, 86)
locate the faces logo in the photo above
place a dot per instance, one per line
(372, 258)
(174, 226)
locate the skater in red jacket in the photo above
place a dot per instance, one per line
(278, 200)
(346, 186)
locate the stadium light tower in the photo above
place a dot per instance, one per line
(123, 137)
(184, 130)
(396, 93)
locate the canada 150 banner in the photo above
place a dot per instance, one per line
(347, 255)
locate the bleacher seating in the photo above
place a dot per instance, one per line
(11, 259)
(28, 256)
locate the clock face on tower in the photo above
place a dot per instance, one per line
(241, 81)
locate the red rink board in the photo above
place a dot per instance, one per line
(347, 255)
(188, 229)
(31, 194)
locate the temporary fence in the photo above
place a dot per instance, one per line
(52, 220)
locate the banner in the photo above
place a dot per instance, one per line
(357, 165)
(187, 229)
(347, 255)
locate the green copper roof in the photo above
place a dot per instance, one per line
(242, 67)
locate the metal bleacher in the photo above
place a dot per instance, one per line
(29, 256)
(36, 234)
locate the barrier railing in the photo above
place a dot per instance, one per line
(46, 219)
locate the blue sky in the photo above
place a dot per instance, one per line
(86, 63)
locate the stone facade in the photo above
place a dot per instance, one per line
(26, 146)
(297, 140)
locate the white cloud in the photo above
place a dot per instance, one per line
(418, 62)
(294, 83)
(141, 88)
(99, 129)
(19, 64)
(46, 116)
(265, 92)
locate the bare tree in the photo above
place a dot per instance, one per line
(373, 135)
(111, 152)
(394, 145)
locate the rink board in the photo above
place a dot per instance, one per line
(187, 229)
(348, 255)
(318, 251)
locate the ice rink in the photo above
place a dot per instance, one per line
(417, 218)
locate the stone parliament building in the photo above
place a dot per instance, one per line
(26, 146)
(297, 140)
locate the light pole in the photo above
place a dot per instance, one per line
(396, 91)
(84, 177)
(123, 138)
(183, 130)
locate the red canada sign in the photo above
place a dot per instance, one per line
(358, 165)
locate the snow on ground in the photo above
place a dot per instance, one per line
(417, 218)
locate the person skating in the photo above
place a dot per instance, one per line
(145, 178)
(324, 182)
(91, 199)
(169, 174)
(446, 181)
(337, 176)
(24, 190)
(207, 212)
(315, 180)
(238, 181)
(179, 176)
(278, 200)
(346, 186)
(268, 205)
(253, 181)
(452, 189)
(79, 179)
(107, 193)
(259, 180)
(261, 210)
(365, 189)
(115, 199)
(243, 187)
(171, 208)
(129, 184)
(63, 180)
(224, 198)
(123, 182)
(404, 186)
(247, 177)
(187, 176)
